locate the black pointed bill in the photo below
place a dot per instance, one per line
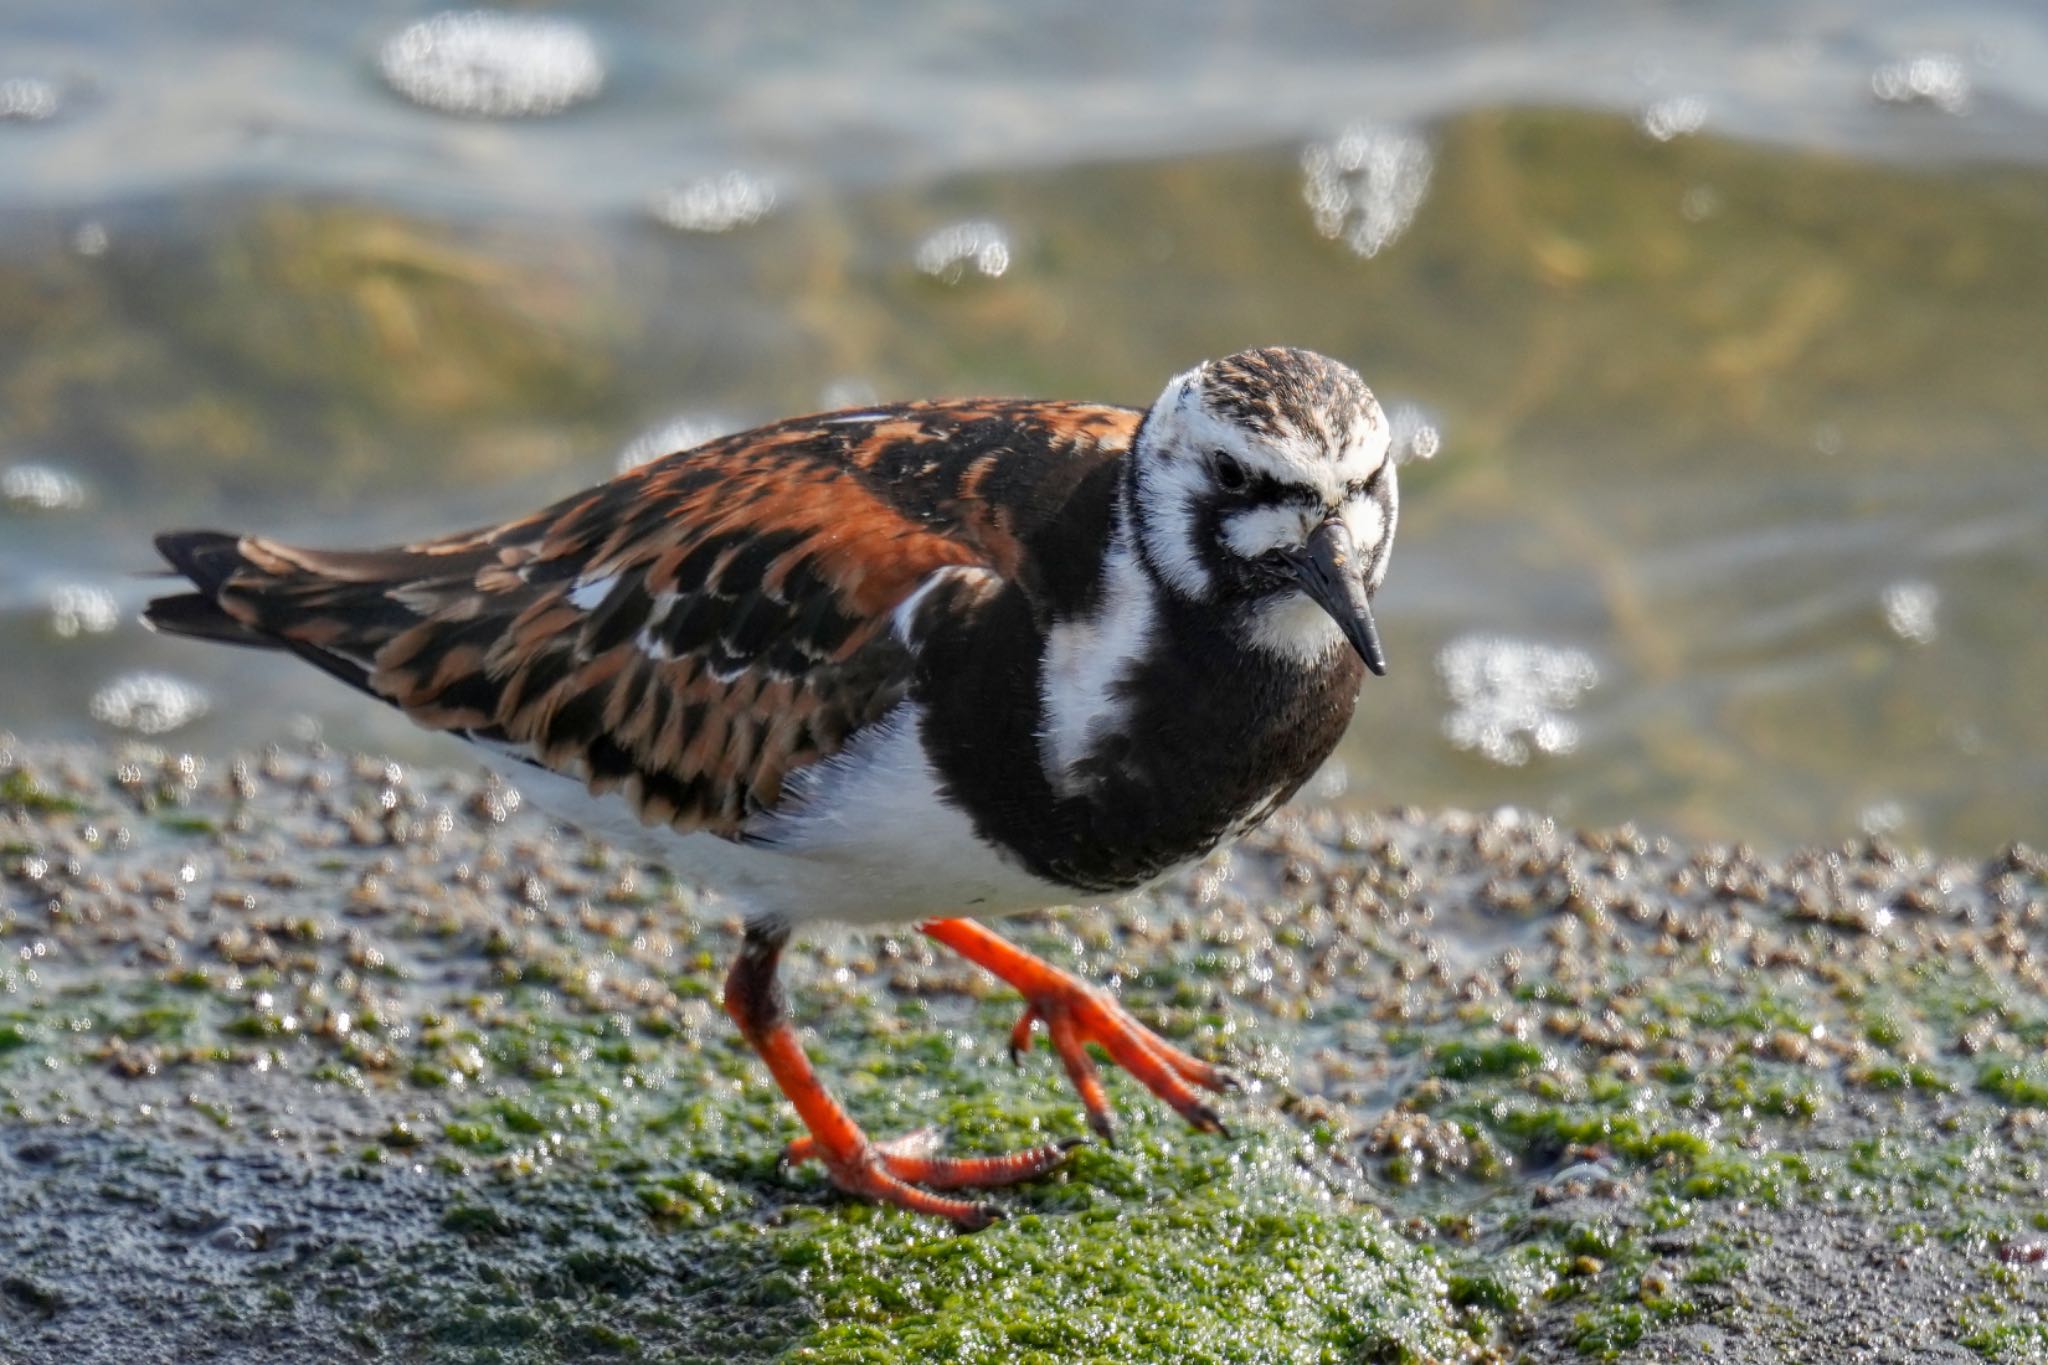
(1328, 571)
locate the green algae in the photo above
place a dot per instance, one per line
(506, 1073)
(19, 789)
(2019, 1081)
(1214, 1259)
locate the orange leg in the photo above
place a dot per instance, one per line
(1075, 1014)
(888, 1172)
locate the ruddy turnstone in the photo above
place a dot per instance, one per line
(937, 661)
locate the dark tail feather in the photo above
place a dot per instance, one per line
(207, 558)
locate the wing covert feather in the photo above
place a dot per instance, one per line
(694, 631)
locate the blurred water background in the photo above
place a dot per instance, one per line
(1717, 333)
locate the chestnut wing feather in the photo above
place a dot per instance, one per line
(699, 628)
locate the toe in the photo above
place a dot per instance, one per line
(977, 1217)
(1020, 1035)
(978, 1172)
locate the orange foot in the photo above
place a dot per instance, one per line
(1075, 1014)
(891, 1172)
(902, 1171)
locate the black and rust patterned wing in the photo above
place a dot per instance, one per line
(697, 629)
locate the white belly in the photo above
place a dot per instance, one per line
(862, 838)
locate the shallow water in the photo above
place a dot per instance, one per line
(1738, 521)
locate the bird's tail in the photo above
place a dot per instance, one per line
(207, 558)
(333, 608)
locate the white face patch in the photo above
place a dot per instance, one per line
(1172, 479)
(1256, 530)
(1372, 524)
(1367, 522)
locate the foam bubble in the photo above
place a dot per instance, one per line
(40, 488)
(90, 238)
(1910, 609)
(149, 703)
(82, 609)
(1414, 434)
(24, 99)
(1507, 696)
(715, 203)
(1676, 117)
(1934, 78)
(849, 391)
(1365, 187)
(494, 65)
(1882, 817)
(952, 253)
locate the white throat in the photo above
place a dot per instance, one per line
(1293, 627)
(1088, 658)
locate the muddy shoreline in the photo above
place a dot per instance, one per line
(304, 1055)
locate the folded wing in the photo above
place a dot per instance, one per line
(694, 631)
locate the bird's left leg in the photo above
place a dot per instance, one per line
(1075, 1014)
(902, 1171)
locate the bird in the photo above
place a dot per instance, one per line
(938, 662)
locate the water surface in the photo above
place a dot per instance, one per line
(1728, 326)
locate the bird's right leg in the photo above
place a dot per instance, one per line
(888, 1172)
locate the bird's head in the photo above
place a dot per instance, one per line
(1262, 485)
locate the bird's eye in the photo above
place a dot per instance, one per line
(1230, 475)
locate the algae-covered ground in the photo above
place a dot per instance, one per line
(307, 1057)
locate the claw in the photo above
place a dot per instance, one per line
(1020, 1035)
(978, 1217)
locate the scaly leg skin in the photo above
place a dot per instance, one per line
(1075, 1014)
(889, 1172)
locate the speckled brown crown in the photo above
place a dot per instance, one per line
(1290, 395)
